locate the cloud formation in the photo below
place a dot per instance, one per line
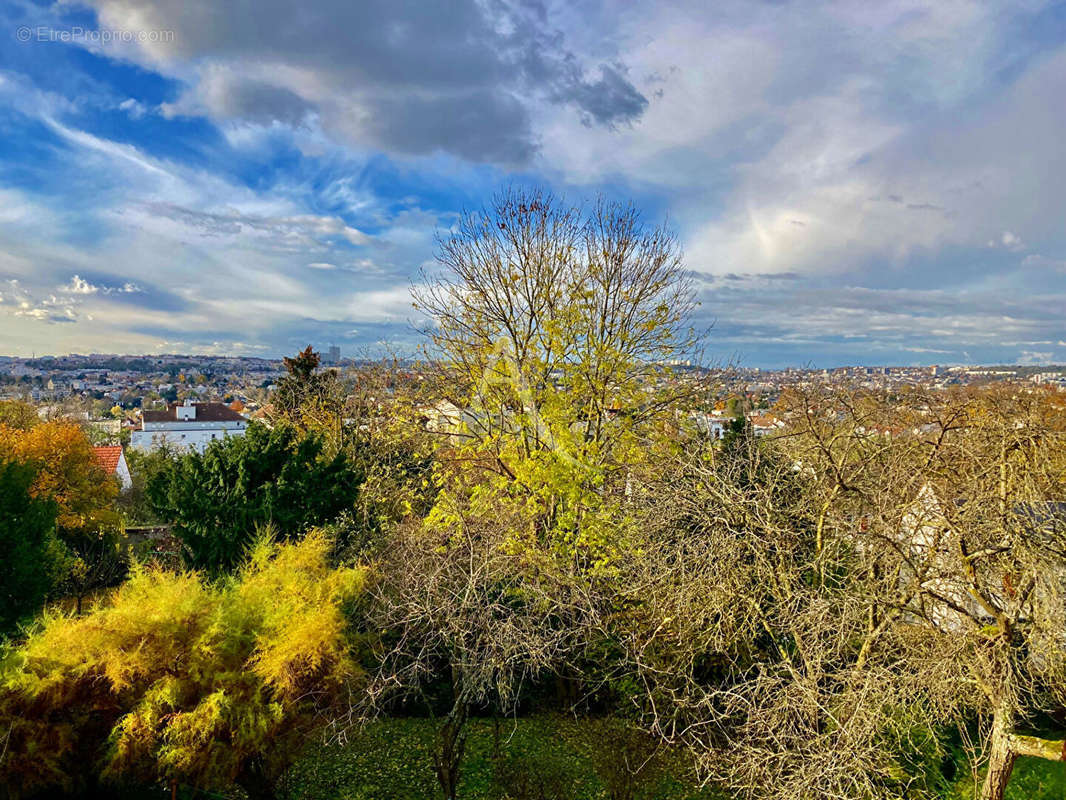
(851, 182)
(463, 77)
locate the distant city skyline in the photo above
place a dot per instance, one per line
(853, 183)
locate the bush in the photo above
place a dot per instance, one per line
(217, 500)
(31, 557)
(175, 679)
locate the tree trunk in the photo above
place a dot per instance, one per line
(451, 744)
(1001, 757)
(497, 739)
(1007, 747)
(1000, 766)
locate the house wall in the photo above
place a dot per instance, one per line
(122, 470)
(194, 425)
(709, 425)
(181, 437)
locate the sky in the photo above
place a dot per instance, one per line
(852, 182)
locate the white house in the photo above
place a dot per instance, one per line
(713, 426)
(932, 543)
(189, 426)
(458, 423)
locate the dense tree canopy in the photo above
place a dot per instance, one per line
(68, 472)
(217, 500)
(309, 398)
(552, 323)
(31, 557)
(17, 414)
(69, 475)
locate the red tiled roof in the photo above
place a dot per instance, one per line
(108, 457)
(205, 412)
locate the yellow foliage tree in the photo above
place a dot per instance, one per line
(17, 414)
(556, 326)
(69, 475)
(68, 472)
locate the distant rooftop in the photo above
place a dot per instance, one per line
(205, 412)
(108, 458)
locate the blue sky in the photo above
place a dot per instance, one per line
(853, 182)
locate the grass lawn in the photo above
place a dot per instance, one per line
(391, 760)
(1032, 779)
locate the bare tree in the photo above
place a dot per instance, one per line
(745, 636)
(465, 604)
(983, 552)
(818, 605)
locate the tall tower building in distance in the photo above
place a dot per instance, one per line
(333, 355)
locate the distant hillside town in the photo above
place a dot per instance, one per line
(188, 401)
(131, 382)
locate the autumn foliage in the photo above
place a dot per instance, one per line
(67, 471)
(176, 679)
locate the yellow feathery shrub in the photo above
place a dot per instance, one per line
(174, 678)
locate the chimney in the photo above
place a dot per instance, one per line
(185, 412)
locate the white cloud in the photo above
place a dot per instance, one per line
(79, 285)
(196, 251)
(887, 132)
(387, 305)
(18, 301)
(1035, 358)
(385, 75)
(134, 108)
(1011, 241)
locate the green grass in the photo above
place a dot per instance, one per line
(391, 760)
(1032, 779)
